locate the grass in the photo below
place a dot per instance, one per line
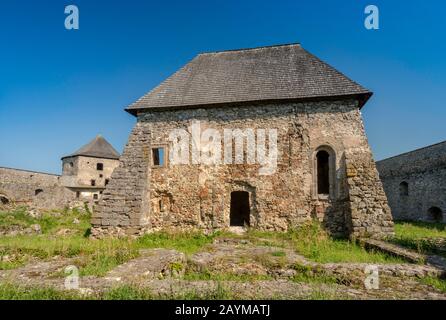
(420, 236)
(187, 242)
(124, 292)
(439, 284)
(314, 243)
(414, 230)
(93, 257)
(216, 276)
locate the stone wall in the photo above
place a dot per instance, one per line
(40, 190)
(424, 172)
(143, 197)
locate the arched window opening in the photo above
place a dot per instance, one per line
(38, 191)
(404, 188)
(323, 172)
(435, 214)
(4, 199)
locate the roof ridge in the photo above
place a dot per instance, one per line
(98, 147)
(253, 48)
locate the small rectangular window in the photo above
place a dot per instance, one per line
(95, 196)
(99, 166)
(106, 181)
(158, 157)
(93, 183)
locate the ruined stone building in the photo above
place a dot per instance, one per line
(288, 99)
(85, 173)
(415, 183)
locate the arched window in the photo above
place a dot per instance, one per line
(323, 172)
(435, 214)
(38, 191)
(404, 188)
(4, 199)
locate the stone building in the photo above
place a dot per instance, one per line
(415, 183)
(278, 98)
(88, 170)
(85, 173)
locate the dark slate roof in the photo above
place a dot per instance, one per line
(284, 72)
(97, 148)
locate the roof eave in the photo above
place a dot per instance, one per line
(83, 155)
(361, 97)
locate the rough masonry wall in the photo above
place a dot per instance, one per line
(369, 212)
(198, 196)
(39, 190)
(424, 171)
(123, 202)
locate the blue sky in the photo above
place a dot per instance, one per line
(60, 88)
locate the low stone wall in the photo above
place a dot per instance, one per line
(36, 189)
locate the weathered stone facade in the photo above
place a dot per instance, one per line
(41, 190)
(143, 197)
(324, 168)
(415, 183)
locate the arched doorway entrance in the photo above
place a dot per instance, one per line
(240, 211)
(435, 214)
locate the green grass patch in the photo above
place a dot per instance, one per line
(217, 276)
(420, 236)
(312, 241)
(416, 230)
(187, 242)
(93, 257)
(439, 284)
(125, 292)
(14, 292)
(50, 221)
(278, 254)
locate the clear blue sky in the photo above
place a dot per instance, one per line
(60, 88)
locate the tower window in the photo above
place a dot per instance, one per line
(93, 183)
(99, 166)
(106, 181)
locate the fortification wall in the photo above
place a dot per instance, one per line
(39, 190)
(415, 183)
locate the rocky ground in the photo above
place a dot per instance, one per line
(242, 269)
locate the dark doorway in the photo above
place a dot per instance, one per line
(435, 214)
(323, 172)
(239, 215)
